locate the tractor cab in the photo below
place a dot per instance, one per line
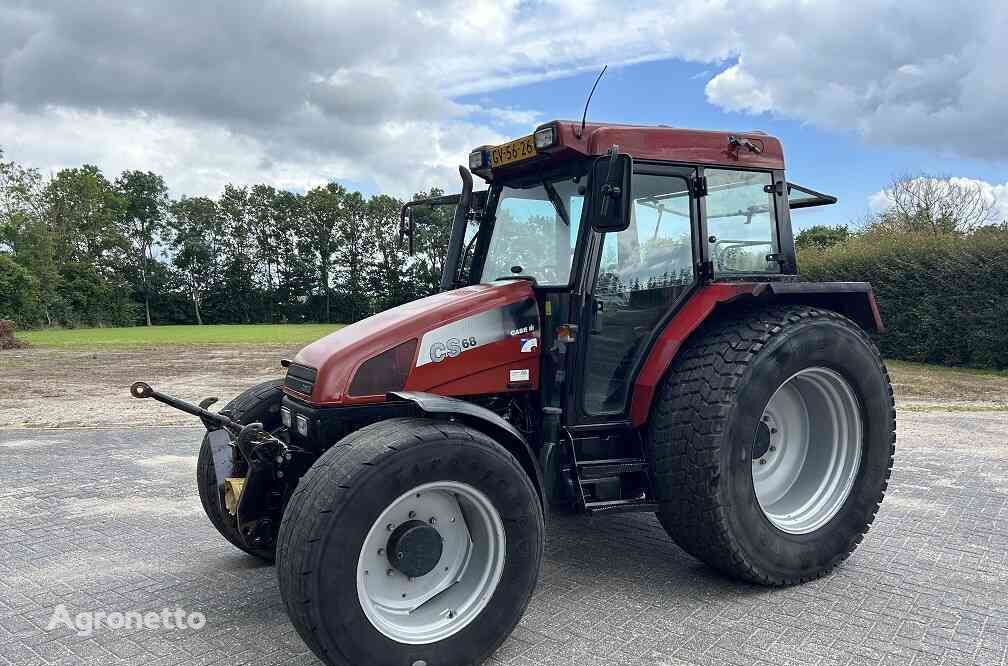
(614, 228)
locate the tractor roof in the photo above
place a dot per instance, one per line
(668, 144)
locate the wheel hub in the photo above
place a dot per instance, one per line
(415, 548)
(762, 443)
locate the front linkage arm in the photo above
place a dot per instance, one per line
(264, 454)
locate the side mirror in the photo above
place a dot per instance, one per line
(612, 178)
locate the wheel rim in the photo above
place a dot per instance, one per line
(413, 607)
(807, 450)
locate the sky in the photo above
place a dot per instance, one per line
(391, 96)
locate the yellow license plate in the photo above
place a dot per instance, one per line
(512, 151)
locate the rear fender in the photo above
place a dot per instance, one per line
(855, 300)
(485, 421)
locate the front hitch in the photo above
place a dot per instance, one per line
(250, 499)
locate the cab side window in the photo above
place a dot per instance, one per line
(644, 270)
(741, 221)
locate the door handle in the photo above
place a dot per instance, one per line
(599, 308)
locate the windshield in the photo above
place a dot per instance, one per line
(535, 231)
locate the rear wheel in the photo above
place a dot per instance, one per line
(410, 541)
(772, 441)
(261, 404)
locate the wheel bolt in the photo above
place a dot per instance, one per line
(452, 519)
(381, 551)
(773, 431)
(762, 461)
(773, 448)
(388, 572)
(389, 527)
(412, 514)
(433, 521)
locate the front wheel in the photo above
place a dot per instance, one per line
(410, 541)
(772, 441)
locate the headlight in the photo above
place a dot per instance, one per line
(302, 424)
(477, 160)
(385, 372)
(544, 138)
(285, 416)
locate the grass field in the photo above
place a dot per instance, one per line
(160, 336)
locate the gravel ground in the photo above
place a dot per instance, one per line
(108, 519)
(88, 387)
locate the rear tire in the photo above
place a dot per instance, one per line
(332, 582)
(261, 404)
(708, 434)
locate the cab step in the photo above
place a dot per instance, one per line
(589, 470)
(621, 506)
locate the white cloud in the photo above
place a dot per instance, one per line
(295, 93)
(921, 74)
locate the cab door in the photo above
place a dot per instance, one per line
(641, 277)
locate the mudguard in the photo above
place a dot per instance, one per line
(485, 421)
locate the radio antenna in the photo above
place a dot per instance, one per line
(584, 116)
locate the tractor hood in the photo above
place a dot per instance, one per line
(478, 339)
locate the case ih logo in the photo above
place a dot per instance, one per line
(450, 348)
(523, 329)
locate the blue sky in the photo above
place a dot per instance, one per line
(672, 92)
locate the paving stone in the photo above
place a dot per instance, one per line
(115, 525)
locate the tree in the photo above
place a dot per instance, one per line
(25, 234)
(296, 260)
(324, 210)
(81, 205)
(821, 237)
(194, 225)
(141, 218)
(934, 204)
(381, 222)
(18, 292)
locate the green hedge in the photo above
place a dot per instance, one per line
(944, 299)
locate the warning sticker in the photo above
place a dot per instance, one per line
(520, 375)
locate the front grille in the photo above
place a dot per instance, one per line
(301, 378)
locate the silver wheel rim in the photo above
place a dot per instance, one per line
(440, 603)
(814, 453)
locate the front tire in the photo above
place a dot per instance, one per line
(772, 440)
(372, 561)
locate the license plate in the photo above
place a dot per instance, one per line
(513, 151)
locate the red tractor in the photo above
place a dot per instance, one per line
(620, 328)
